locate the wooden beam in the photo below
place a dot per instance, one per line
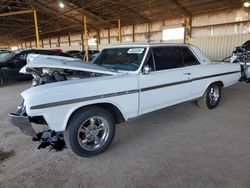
(109, 36)
(119, 31)
(148, 33)
(133, 32)
(69, 39)
(50, 42)
(90, 14)
(16, 13)
(130, 8)
(55, 12)
(58, 41)
(98, 41)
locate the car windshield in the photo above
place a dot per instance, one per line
(6, 56)
(125, 59)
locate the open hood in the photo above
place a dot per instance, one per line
(58, 62)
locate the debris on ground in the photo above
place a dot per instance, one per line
(51, 139)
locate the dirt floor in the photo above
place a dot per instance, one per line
(182, 146)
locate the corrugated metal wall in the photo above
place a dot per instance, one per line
(219, 47)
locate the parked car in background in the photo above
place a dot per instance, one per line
(241, 55)
(85, 101)
(4, 53)
(81, 54)
(12, 62)
(246, 46)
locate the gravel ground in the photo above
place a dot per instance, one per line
(182, 146)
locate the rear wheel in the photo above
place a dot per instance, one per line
(211, 97)
(90, 131)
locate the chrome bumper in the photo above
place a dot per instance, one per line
(23, 123)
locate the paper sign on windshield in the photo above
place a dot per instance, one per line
(135, 51)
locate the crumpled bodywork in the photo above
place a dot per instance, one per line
(56, 62)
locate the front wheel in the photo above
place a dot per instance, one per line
(90, 131)
(211, 97)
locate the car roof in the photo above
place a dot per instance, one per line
(148, 45)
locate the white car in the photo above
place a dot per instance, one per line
(85, 101)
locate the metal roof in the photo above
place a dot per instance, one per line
(54, 21)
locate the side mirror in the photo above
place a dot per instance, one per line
(146, 69)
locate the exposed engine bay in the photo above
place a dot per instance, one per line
(48, 75)
(47, 69)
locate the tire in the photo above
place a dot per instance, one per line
(211, 97)
(90, 131)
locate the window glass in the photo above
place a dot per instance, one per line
(188, 57)
(150, 61)
(22, 57)
(125, 59)
(167, 58)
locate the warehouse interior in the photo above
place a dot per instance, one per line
(180, 146)
(206, 24)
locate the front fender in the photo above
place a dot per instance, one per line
(57, 101)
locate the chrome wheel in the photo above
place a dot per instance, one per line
(214, 95)
(93, 133)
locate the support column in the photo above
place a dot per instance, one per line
(133, 32)
(69, 40)
(119, 31)
(50, 42)
(58, 42)
(37, 31)
(188, 28)
(109, 36)
(86, 46)
(98, 40)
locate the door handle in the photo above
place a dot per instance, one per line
(187, 73)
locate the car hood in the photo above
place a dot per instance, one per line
(57, 62)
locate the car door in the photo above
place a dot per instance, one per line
(11, 71)
(196, 70)
(167, 84)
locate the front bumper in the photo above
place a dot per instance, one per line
(23, 123)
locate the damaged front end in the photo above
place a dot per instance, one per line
(48, 70)
(47, 138)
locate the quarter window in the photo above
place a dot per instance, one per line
(150, 61)
(167, 58)
(188, 58)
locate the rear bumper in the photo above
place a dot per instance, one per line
(23, 123)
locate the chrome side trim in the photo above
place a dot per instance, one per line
(165, 85)
(215, 75)
(61, 103)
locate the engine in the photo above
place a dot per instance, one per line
(46, 76)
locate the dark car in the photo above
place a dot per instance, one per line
(11, 63)
(246, 46)
(4, 53)
(81, 54)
